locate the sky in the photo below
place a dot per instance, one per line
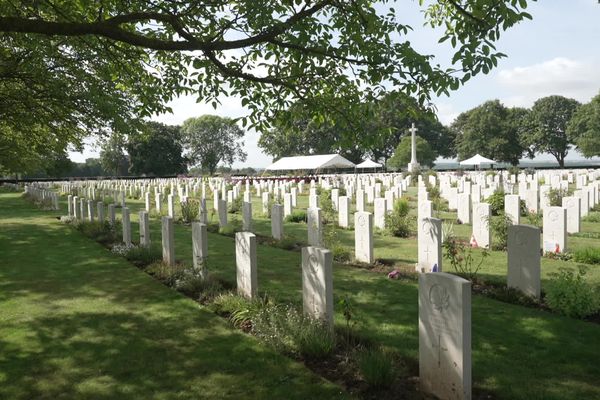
(556, 53)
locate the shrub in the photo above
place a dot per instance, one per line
(341, 253)
(496, 202)
(286, 243)
(142, 256)
(194, 285)
(313, 339)
(296, 216)
(461, 258)
(102, 232)
(535, 218)
(569, 294)
(238, 309)
(398, 222)
(592, 217)
(190, 210)
(235, 206)
(166, 273)
(328, 213)
(376, 367)
(589, 255)
(499, 227)
(555, 196)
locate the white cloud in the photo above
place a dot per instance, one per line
(560, 76)
(446, 112)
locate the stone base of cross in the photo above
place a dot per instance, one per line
(414, 167)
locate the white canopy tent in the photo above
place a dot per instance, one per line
(368, 163)
(318, 162)
(477, 160)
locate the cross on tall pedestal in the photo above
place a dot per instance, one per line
(414, 164)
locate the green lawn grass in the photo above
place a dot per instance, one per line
(77, 322)
(518, 353)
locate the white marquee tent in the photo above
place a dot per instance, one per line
(368, 163)
(477, 160)
(317, 162)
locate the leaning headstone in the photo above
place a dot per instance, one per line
(363, 237)
(277, 221)
(481, 228)
(314, 226)
(429, 242)
(245, 260)
(317, 284)
(573, 206)
(555, 229)
(445, 336)
(247, 216)
(200, 248)
(168, 241)
(126, 225)
(344, 211)
(524, 259)
(512, 208)
(144, 228)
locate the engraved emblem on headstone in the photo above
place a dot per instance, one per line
(439, 297)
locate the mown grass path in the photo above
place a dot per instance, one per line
(77, 322)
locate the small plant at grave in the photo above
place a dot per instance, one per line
(499, 227)
(461, 257)
(562, 256)
(398, 222)
(314, 340)
(286, 243)
(167, 274)
(122, 248)
(67, 219)
(193, 284)
(235, 207)
(332, 241)
(190, 209)
(376, 367)
(296, 216)
(555, 196)
(535, 218)
(239, 310)
(447, 230)
(496, 202)
(588, 255)
(568, 293)
(348, 312)
(592, 217)
(102, 232)
(434, 192)
(270, 204)
(142, 257)
(328, 213)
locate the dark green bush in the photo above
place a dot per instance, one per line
(499, 227)
(235, 206)
(589, 255)
(398, 223)
(296, 216)
(496, 202)
(141, 256)
(194, 285)
(555, 196)
(569, 294)
(190, 210)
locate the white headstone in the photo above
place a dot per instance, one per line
(144, 229)
(524, 259)
(573, 206)
(482, 213)
(445, 336)
(344, 211)
(363, 237)
(246, 264)
(555, 229)
(126, 225)
(380, 212)
(222, 211)
(277, 221)
(314, 226)
(512, 208)
(464, 208)
(168, 241)
(200, 248)
(317, 284)
(429, 239)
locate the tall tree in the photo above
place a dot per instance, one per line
(270, 54)
(112, 155)
(548, 122)
(491, 130)
(401, 157)
(211, 139)
(584, 128)
(156, 150)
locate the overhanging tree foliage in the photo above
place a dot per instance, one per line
(270, 54)
(584, 128)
